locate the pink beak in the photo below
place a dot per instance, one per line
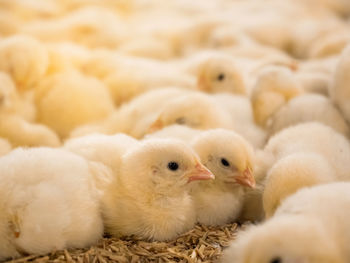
(200, 173)
(246, 178)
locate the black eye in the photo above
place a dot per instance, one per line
(225, 162)
(180, 120)
(173, 166)
(276, 260)
(221, 77)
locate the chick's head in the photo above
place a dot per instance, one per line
(193, 110)
(227, 155)
(220, 75)
(162, 166)
(286, 240)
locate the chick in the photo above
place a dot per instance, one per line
(220, 75)
(310, 226)
(339, 90)
(306, 108)
(231, 159)
(25, 59)
(274, 87)
(69, 99)
(48, 201)
(150, 197)
(106, 149)
(292, 173)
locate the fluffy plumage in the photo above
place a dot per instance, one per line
(314, 227)
(42, 207)
(150, 197)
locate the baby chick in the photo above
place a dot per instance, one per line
(220, 75)
(310, 226)
(231, 159)
(150, 197)
(48, 201)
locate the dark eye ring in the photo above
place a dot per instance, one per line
(173, 166)
(276, 260)
(224, 162)
(221, 77)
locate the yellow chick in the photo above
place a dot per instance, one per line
(339, 90)
(310, 226)
(274, 87)
(48, 201)
(150, 197)
(25, 59)
(292, 173)
(220, 75)
(231, 159)
(69, 99)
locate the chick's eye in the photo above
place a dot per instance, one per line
(221, 77)
(173, 166)
(224, 162)
(180, 120)
(276, 260)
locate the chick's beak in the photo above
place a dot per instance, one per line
(246, 178)
(200, 172)
(156, 126)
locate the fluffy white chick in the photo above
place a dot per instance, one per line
(14, 115)
(150, 197)
(310, 226)
(24, 58)
(68, 99)
(220, 75)
(274, 87)
(106, 149)
(305, 138)
(48, 201)
(339, 90)
(292, 173)
(306, 108)
(231, 159)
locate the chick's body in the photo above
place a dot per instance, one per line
(42, 207)
(150, 197)
(314, 223)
